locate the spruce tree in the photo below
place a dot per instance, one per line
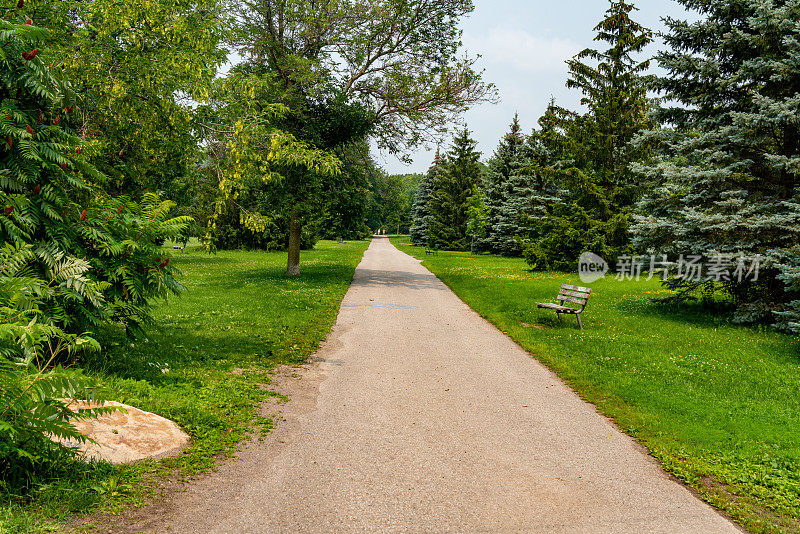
(451, 190)
(596, 152)
(420, 211)
(615, 94)
(503, 167)
(534, 192)
(728, 180)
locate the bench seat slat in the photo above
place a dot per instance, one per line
(582, 302)
(576, 288)
(559, 308)
(584, 296)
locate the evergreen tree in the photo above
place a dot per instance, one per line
(420, 210)
(728, 182)
(533, 190)
(451, 190)
(790, 275)
(615, 93)
(504, 167)
(596, 150)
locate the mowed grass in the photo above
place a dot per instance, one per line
(717, 403)
(201, 367)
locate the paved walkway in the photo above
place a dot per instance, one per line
(422, 417)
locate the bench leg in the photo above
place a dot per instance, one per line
(559, 316)
(578, 317)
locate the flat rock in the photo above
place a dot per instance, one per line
(128, 437)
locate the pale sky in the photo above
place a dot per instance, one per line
(523, 44)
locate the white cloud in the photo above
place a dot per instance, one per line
(526, 69)
(521, 50)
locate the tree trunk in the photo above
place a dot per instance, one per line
(295, 233)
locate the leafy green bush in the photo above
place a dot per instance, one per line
(52, 199)
(34, 405)
(72, 258)
(34, 396)
(568, 232)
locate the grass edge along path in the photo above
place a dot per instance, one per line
(715, 403)
(201, 367)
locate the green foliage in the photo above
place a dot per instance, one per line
(397, 58)
(593, 209)
(136, 66)
(257, 166)
(350, 201)
(450, 193)
(713, 401)
(521, 187)
(615, 93)
(790, 275)
(53, 206)
(420, 209)
(34, 406)
(568, 188)
(476, 216)
(476, 213)
(203, 367)
(347, 71)
(505, 166)
(34, 397)
(391, 201)
(570, 231)
(727, 176)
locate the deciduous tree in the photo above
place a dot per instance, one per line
(137, 68)
(395, 60)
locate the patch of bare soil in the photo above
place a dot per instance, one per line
(299, 384)
(529, 325)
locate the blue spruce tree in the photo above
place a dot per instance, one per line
(505, 165)
(728, 181)
(420, 211)
(534, 191)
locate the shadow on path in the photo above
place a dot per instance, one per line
(404, 279)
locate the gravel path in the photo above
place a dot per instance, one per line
(419, 416)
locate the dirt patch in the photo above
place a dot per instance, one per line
(299, 384)
(238, 371)
(721, 495)
(710, 483)
(530, 325)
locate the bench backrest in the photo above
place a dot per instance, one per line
(574, 294)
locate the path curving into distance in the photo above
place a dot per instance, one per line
(419, 416)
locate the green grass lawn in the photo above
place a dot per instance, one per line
(718, 404)
(240, 311)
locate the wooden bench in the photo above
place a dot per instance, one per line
(573, 294)
(182, 247)
(432, 250)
